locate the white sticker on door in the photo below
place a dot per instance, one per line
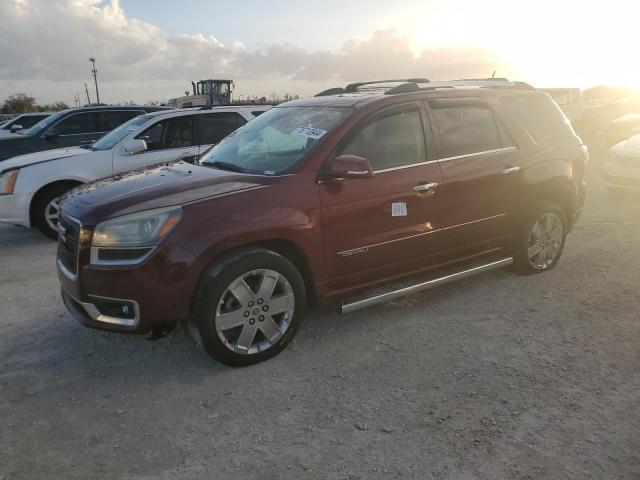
(398, 209)
(315, 133)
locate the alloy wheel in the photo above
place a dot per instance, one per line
(255, 311)
(52, 213)
(545, 240)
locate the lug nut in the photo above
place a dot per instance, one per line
(246, 314)
(251, 304)
(252, 321)
(260, 301)
(265, 308)
(261, 318)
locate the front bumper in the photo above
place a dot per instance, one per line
(623, 176)
(156, 292)
(14, 210)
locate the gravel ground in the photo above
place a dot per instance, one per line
(494, 377)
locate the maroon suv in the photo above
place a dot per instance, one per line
(320, 201)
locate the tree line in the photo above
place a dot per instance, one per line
(23, 103)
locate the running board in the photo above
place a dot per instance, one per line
(401, 292)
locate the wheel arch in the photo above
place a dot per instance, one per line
(560, 192)
(71, 182)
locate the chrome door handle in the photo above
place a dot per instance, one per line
(510, 169)
(423, 187)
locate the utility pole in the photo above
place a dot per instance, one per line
(86, 89)
(94, 72)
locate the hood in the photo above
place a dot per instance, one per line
(628, 148)
(153, 187)
(41, 157)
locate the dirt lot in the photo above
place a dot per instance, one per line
(495, 377)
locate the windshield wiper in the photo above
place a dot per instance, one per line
(225, 166)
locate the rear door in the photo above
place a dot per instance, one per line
(480, 166)
(167, 140)
(381, 227)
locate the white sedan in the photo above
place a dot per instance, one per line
(622, 169)
(30, 185)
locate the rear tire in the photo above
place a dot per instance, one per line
(541, 239)
(248, 307)
(46, 209)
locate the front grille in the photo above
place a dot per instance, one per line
(68, 243)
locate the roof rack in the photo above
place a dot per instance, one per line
(354, 87)
(413, 85)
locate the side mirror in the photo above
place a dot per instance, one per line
(135, 145)
(51, 134)
(351, 166)
(16, 128)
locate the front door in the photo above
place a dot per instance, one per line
(167, 140)
(381, 227)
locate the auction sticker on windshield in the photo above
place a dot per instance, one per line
(315, 133)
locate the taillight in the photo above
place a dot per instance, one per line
(584, 153)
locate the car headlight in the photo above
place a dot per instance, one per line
(8, 181)
(142, 229)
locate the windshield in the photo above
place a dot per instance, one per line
(275, 141)
(114, 136)
(43, 123)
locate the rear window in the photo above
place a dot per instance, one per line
(541, 117)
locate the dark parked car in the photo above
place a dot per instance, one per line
(69, 128)
(21, 122)
(332, 199)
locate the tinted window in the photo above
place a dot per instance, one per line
(257, 112)
(110, 120)
(541, 117)
(76, 124)
(215, 126)
(391, 141)
(464, 127)
(171, 133)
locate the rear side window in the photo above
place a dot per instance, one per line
(77, 124)
(215, 126)
(541, 117)
(110, 120)
(464, 127)
(170, 133)
(392, 141)
(258, 112)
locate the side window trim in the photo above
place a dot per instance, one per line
(385, 112)
(468, 100)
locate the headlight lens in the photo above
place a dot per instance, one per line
(137, 229)
(8, 182)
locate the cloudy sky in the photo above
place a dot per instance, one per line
(151, 49)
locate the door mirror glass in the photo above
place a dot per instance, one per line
(351, 166)
(135, 145)
(16, 127)
(51, 134)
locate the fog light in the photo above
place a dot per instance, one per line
(115, 308)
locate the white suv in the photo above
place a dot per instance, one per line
(31, 184)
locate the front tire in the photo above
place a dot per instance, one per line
(249, 306)
(46, 209)
(541, 239)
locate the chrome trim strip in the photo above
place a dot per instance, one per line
(64, 270)
(95, 260)
(95, 314)
(475, 154)
(402, 167)
(346, 253)
(418, 287)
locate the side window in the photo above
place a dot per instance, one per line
(170, 133)
(110, 120)
(76, 124)
(464, 127)
(392, 141)
(215, 126)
